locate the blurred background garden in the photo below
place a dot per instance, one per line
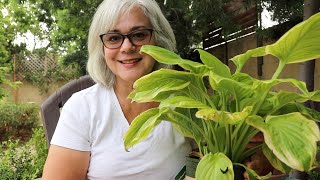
(43, 46)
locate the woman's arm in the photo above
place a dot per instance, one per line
(63, 163)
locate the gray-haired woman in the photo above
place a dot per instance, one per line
(88, 140)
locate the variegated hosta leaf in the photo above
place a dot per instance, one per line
(159, 85)
(294, 82)
(183, 102)
(241, 60)
(276, 163)
(237, 89)
(166, 56)
(243, 78)
(283, 98)
(142, 125)
(215, 166)
(213, 62)
(223, 116)
(308, 112)
(252, 174)
(291, 137)
(300, 43)
(315, 95)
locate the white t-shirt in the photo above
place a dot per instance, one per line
(92, 120)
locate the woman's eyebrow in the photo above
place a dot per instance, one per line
(132, 29)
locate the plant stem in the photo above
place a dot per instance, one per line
(279, 70)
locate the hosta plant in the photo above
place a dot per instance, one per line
(223, 111)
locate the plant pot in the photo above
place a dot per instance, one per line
(191, 166)
(192, 163)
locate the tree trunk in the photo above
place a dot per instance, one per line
(307, 72)
(308, 68)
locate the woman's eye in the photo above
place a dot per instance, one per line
(139, 35)
(114, 38)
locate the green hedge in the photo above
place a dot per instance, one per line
(23, 161)
(17, 120)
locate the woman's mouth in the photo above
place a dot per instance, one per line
(130, 61)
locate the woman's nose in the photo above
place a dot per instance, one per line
(127, 45)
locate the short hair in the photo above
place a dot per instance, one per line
(103, 21)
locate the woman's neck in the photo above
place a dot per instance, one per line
(130, 109)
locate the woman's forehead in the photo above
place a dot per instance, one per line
(130, 20)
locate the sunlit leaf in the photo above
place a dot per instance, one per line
(215, 166)
(237, 89)
(141, 127)
(182, 101)
(158, 85)
(223, 116)
(213, 62)
(168, 57)
(241, 60)
(300, 43)
(291, 137)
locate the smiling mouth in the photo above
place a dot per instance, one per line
(130, 61)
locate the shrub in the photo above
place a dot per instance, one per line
(23, 161)
(17, 120)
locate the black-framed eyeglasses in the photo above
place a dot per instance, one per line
(114, 40)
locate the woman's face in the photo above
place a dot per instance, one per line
(126, 62)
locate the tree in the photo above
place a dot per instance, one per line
(68, 21)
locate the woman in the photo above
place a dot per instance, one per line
(88, 140)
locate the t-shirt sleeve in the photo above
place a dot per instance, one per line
(73, 127)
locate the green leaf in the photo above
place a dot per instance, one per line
(182, 101)
(213, 62)
(223, 116)
(241, 60)
(237, 89)
(159, 85)
(274, 161)
(252, 174)
(267, 84)
(291, 137)
(190, 126)
(282, 98)
(315, 95)
(141, 126)
(300, 43)
(166, 56)
(215, 166)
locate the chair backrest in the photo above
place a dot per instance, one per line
(50, 108)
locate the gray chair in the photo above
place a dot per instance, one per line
(50, 108)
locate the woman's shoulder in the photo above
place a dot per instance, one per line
(91, 94)
(94, 91)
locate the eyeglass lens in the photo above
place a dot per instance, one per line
(138, 38)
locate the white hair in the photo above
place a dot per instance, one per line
(103, 21)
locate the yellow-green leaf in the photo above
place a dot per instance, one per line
(223, 116)
(291, 137)
(300, 43)
(215, 166)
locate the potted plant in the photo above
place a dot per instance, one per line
(222, 121)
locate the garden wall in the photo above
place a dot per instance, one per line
(26, 92)
(269, 65)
